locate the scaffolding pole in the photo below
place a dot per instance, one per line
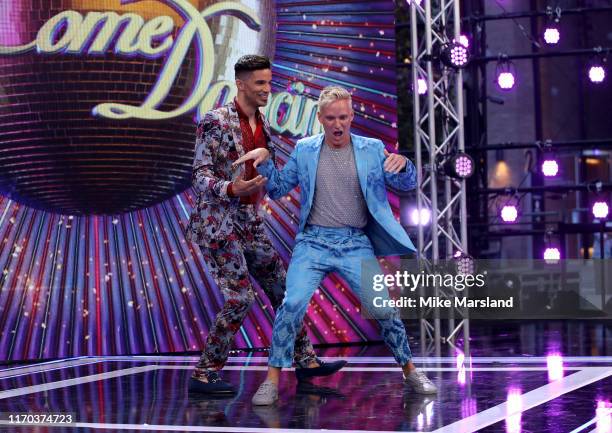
(438, 134)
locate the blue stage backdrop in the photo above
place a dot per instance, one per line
(97, 106)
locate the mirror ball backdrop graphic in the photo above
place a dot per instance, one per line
(92, 208)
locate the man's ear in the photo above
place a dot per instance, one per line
(239, 84)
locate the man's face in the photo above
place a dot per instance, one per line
(256, 87)
(336, 118)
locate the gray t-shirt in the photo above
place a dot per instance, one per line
(338, 200)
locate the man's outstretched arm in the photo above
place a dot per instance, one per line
(279, 183)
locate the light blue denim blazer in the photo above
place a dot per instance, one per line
(386, 234)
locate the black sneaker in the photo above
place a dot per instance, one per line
(324, 369)
(215, 385)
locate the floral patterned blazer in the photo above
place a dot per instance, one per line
(218, 144)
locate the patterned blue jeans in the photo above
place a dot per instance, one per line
(319, 251)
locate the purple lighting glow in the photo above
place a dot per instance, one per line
(552, 36)
(469, 407)
(550, 168)
(597, 74)
(600, 209)
(460, 361)
(509, 213)
(552, 253)
(505, 80)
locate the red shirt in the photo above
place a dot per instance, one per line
(251, 141)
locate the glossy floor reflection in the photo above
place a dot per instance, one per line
(516, 392)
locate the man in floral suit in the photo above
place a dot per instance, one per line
(225, 223)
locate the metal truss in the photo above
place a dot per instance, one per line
(438, 134)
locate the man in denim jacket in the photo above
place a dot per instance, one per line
(345, 220)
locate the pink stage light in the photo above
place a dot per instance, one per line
(550, 168)
(600, 209)
(597, 74)
(552, 35)
(459, 55)
(552, 253)
(603, 414)
(514, 410)
(509, 213)
(423, 219)
(421, 86)
(464, 166)
(554, 365)
(463, 40)
(506, 80)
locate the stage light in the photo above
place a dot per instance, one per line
(597, 73)
(552, 35)
(463, 40)
(505, 80)
(603, 414)
(514, 409)
(600, 209)
(509, 213)
(464, 265)
(464, 165)
(459, 166)
(505, 74)
(550, 168)
(552, 253)
(554, 365)
(422, 218)
(455, 55)
(421, 86)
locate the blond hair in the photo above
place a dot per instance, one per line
(333, 93)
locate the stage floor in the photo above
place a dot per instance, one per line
(508, 393)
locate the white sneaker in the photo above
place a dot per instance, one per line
(420, 383)
(266, 395)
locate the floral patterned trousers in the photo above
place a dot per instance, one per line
(247, 250)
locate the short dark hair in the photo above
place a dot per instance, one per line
(250, 63)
